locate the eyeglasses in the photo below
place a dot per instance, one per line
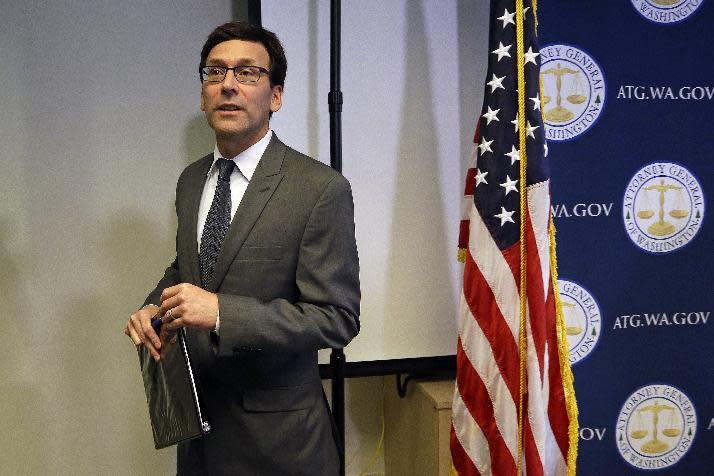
(243, 74)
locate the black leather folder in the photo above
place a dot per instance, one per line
(172, 395)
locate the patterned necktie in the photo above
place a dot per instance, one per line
(217, 221)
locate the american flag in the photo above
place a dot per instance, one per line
(514, 409)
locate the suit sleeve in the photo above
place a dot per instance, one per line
(171, 275)
(170, 278)
(326, 313)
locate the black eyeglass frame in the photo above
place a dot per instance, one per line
(235, 69)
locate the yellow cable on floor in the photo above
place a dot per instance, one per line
(379, 444)
(376, 451)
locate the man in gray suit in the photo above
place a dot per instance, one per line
(259, 294)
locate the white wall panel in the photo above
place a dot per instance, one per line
(412, 77)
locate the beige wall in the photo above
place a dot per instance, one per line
(98, 114)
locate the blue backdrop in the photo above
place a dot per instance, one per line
(628, 98)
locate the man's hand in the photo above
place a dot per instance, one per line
(186, 305)
(140, 331)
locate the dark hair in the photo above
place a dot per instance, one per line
(247, 32)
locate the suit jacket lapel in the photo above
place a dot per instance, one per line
(265, 180)
(194, 186)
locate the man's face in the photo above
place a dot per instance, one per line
(238, 111)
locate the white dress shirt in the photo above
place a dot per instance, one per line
(246, 163)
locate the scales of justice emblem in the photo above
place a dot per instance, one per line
(572, 91)
(572, 320)
(582, 319)
(574, 96)
(651, 431)
(663, 207)
(656, 427)
(677, 210)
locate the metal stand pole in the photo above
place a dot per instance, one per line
(334, 99)
(337, 362)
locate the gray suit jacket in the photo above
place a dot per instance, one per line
(287, 280)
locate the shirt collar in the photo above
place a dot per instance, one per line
(246, 161)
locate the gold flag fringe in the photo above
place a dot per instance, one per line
(461, 255)
(566, 373)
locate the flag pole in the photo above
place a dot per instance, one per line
(522, 340)
(334, 100)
